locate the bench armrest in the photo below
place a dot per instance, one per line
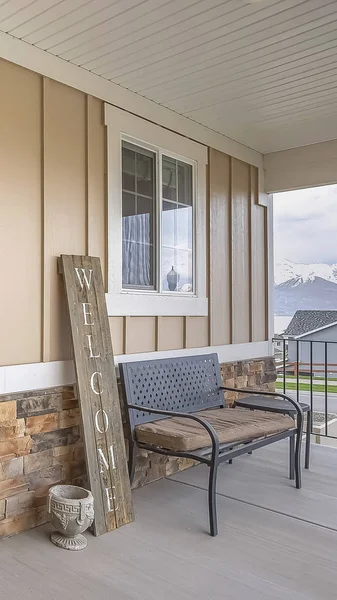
(170, 413)
(295, 404)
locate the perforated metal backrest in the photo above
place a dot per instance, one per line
(184, 384)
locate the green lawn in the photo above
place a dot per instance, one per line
(305, 387)
(317, 378)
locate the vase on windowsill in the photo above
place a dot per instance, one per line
(172, 279)
(71, 510)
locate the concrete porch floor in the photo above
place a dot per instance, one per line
(274, 541)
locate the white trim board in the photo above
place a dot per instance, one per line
(121, 125)
(40, 61)
(297, 337)
(148, 304)
(36, 376)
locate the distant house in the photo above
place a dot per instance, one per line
(317, 326)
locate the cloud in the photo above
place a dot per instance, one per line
(305, 225)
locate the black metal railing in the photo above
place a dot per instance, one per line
(308, 370)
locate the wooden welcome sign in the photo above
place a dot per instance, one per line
(98, 392)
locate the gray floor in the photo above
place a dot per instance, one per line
(274, 542)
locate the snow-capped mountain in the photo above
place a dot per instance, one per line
(304, 287)
(290, 271)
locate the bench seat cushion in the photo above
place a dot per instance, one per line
(231, 425)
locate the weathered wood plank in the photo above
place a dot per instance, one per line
(98, 393)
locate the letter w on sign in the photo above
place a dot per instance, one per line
(98, 393)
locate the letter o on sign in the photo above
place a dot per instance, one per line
(102, 427)
(92, 383)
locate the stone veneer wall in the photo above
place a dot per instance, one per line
(41, 445)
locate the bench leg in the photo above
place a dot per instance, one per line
(299, 433)
(307, 440)
(292, 457)
(213, 522)
(132, 461)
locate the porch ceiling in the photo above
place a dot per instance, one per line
(263, 72)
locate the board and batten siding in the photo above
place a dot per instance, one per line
(238, 253)
(53, 200)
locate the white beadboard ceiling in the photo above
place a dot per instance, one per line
(263, 72)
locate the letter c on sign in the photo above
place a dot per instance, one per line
(92, 383)
(105, 421)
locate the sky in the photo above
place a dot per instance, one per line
(305, 225)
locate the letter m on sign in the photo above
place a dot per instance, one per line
(98, 392)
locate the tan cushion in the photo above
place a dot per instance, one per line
(231, 425)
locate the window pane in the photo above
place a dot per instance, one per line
(169, 182)
(184, 227)
(129, 204)
(138, 223)
(177, 227)
(129, 162)
(145, 175)
(185, 268)
(185, 194)
(177, 270)
(168, 223)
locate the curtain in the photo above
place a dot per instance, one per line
(136, 237)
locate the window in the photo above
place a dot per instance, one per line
(139, 217)
(157, 227)
(156, 220)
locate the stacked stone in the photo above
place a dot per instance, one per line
(252, 374)
(40, 445)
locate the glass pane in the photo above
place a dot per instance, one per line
(145, 178)
(177, 270)
(177, 225)
(137, 251)
(128, 168)
(166, 267)
(185, 188)
(128, 204)
(168, 223)
(184, 227)
(138, 218)
(169, 182)
(184, 260)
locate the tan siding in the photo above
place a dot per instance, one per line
(117, 334)
(196, 332)
(96, 182)
(258, 264)
(53, 200)
(170, 333)
(140, 334)
(64, 203)
(240, 252)
(220, 249)
(20, 215)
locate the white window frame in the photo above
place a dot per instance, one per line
(138, 302)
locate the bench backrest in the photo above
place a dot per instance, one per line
(185, 384)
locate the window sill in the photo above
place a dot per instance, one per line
(138, 304)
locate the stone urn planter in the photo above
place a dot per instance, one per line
(71, 511)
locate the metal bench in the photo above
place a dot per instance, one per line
(176, 408)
